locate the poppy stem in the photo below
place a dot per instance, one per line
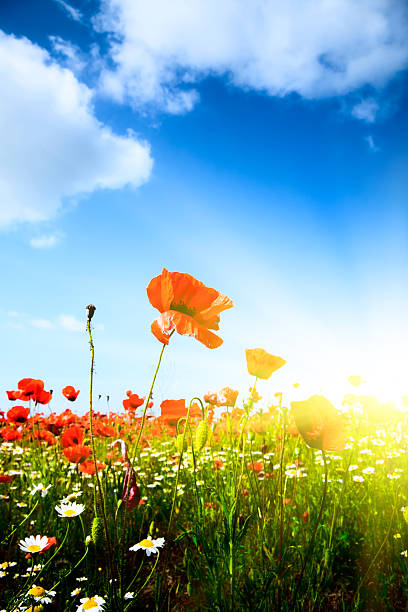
(101, 509)
(122, 537)
(312, 539)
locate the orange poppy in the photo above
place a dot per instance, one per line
(186, 305)
(77, 453)
(319, 423)
(262, 364)
(256, 466)
(173, 410)
(88, 467)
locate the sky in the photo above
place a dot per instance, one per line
(259, 146)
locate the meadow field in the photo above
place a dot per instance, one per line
(219, 503)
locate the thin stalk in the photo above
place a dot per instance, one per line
(312, 539)
(19, 525)
(283, 417)
(124, 523)
(356, 594)
(101, 509)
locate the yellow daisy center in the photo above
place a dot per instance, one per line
(69, 512)
(146, 543)
(4, 565)
(34, 548)
(36, 591)
(91, 603)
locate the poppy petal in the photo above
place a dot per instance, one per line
(160, 291)
(222, 302)
(186, 326)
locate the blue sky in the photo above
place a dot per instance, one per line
(263, 151)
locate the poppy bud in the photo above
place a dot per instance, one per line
(201, 435)
(91, 311)
(179, 443)
(98, 533)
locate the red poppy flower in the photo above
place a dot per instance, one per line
(133, 402)
(70, 393)
(71, 436)
(319, 423)
(5, 478)
(18, 414)
(88, 467)
(30, 388)
(77, 453)
(186, 305)
(44, 397)
(13, 395)
(173, 410)
(11, 434)
(103, 430)
(256, 466)
(262, 364)
(47, 436)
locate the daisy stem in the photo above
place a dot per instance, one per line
(22, 523)
(136, 575)
(147, 579)
(15, 603)
(71, 570)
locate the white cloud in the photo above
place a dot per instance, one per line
(371, 144)
(44, 242)
(70, 54)
(70, 323)
(316, 48)
(74, 13)
(42, 323)
(52, 146)
(366, 110)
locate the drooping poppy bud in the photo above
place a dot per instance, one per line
(130, 490)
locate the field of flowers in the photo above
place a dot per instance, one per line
(214, 504)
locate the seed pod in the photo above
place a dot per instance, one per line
(98, 532)
(201, 435)
(179, 443)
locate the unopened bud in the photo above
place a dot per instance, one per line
(91, 311)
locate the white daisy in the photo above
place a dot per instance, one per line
(150, 546)
(40, 487)
(129, 595)
(70, 509)
(40, 595)
(94, 603)
(76, 592)
(34, 544)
